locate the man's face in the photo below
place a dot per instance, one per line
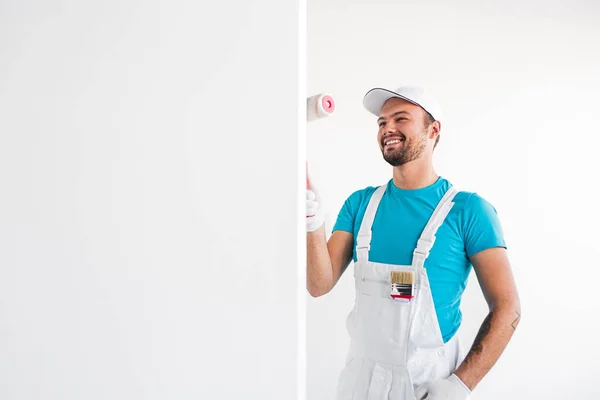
(402, 134)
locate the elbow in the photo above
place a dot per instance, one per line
(506, 307)
(318, 291)
(509, 310)
(506, 302)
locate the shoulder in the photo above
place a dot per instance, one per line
(479, 222)
(472, 206)
(361, 196)
(470, 201)
(353, 208)
(476, 213)
(357, 202)
(474, 203)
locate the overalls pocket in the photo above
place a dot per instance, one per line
(379, 319)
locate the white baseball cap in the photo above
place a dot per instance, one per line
(376, 98)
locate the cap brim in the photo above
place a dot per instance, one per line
(376, 98)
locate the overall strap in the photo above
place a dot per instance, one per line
(363, 241)
(427, 239)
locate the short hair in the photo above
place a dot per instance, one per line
(428, 121)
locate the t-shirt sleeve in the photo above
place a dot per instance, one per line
(347, 214)
(482, 227)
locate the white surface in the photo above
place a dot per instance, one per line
(148, 239)
(519, 86)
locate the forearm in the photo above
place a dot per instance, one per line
(319, 270)
(491, 340)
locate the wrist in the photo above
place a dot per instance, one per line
(315, 231)
(464, 379)
(459, 381)
(315, 223)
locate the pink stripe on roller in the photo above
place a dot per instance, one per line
(328, 104)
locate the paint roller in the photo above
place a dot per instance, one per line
(317, 107)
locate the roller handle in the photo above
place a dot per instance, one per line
(318, 106)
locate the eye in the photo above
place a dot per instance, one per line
(400, 119)
(381, 124)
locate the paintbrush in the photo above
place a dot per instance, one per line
(402, 285)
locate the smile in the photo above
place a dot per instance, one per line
(392, 141)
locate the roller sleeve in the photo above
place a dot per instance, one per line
(319, 106)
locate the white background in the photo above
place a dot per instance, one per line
(520, 90)
(148, 236)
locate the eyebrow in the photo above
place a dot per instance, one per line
(393, 115)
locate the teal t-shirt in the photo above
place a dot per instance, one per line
(472, 225)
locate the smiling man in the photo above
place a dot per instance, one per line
(413, 241)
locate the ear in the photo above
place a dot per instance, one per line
(435, 129)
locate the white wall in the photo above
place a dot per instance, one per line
(147, 245)
(520, 89)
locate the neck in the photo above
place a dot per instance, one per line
(416, 174)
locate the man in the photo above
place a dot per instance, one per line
(417, 228)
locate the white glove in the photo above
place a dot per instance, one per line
(314, 215)
(451, 388)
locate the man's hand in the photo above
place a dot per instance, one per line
(451, 388)
(315, 217)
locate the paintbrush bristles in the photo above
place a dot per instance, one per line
(404, 277)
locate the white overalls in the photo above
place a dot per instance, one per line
(394, 346)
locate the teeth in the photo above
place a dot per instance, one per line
(393, 141)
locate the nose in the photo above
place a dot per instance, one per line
(390, 128)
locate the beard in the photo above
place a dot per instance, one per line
(410, 150)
